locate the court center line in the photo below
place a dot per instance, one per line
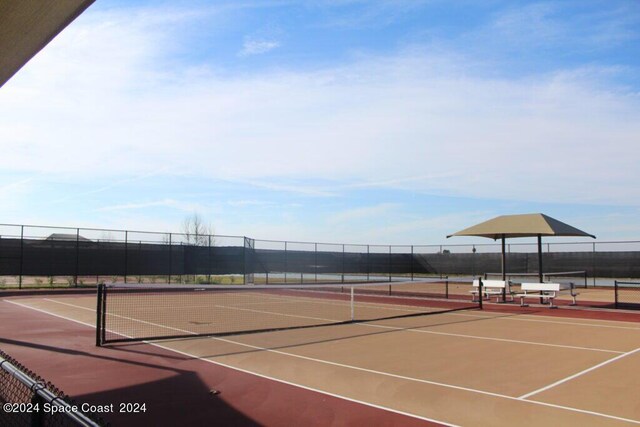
(574, 376)
(190, 332)
(357, 368)
(413, 308)
(519, 318)
(419, 380)
(367, 324)
(246, 371)
(556, 322)
(359, 323)
(424, 331)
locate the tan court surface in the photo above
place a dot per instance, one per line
(459, 368)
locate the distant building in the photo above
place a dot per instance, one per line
(67, 237)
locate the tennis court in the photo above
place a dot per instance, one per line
(412, 361)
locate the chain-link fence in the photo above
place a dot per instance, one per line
(627, 294)
(57, 256)
(38, 256)
(26, 400)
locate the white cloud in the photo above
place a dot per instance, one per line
(350, 216)
(554, 24)
(93, 102)
(249, 203)
(13, 194)
(167, 203)
(257, 47)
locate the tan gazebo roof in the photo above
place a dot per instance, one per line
(524, 225)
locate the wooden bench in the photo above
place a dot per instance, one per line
(491, 287)
(545, 291)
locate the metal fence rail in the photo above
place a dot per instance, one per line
(28, 400)
(53, 256)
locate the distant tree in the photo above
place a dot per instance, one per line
(196, 231)
(107, 236)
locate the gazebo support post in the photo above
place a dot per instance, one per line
(540, 275)
(504, 269)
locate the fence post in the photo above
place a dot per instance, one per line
(615, 290)
(368, 264)
(21, 256)
(412, 263)
(286, 267)
(244, 260)
(170, 258)
(126, 254)
(342, 263)
(390, 267)
(446, 288)
(75, 277)
(593, 264)
(99, 316)
(480, 292)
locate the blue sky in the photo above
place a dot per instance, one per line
(391, 122)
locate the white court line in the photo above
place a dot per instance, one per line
(357, 368)
(424, 331)
(450, 334)
(50, 314)
(504, 317)
(182, 330)
(406, 308)
(508, 317)
(235, 368)
(111, 314)
(593, 368)
(277, 314)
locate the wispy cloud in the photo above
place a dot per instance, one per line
(258, 47)
(558, 25)
(364, 13)
(166, 203)
(244, 203)
(302, 187)
(377, 119)
(110, 101)
(13, 193)
(114, 184)
(357, 214)
(10, 188)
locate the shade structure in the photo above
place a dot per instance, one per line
(522, 225)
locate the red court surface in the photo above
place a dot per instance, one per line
(504, 365)
(175, 388)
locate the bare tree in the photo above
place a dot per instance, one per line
(196, 232)
(107, 236)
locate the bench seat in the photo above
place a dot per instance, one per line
(491, 288)
(545, 291)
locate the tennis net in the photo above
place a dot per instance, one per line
(152, 312)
